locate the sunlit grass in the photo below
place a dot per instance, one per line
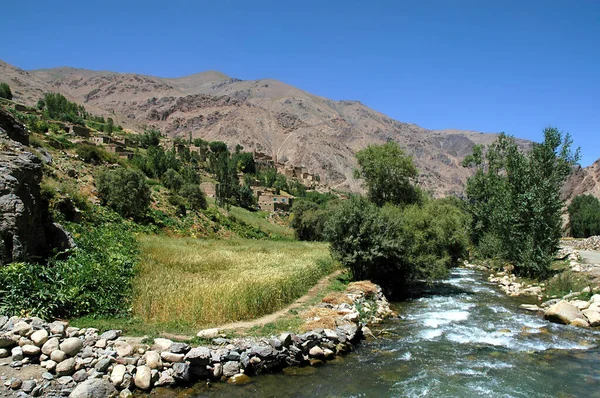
(202, 283)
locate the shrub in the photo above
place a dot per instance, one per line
(95, 279)
(172, 180)
(125, 191)
(194, 196)
(95, 155)
(584, 216)
(396, 247)
(5, 91)
(308, 220)
(179, 204)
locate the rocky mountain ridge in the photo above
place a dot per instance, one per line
(295, 127)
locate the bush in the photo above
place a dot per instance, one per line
(95, 279)
(194, 195)
(396, 247)
(95, 155)
(5, 91)
(179, 204)
(172, 180)
(125, 191)
(584, 216)
(308, 220)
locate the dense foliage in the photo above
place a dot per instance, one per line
(514, 200)
(389, 174)
(125, 191)
(57, 107)
(584, 216)
(94, 279)
(395, 246)
(5, 91)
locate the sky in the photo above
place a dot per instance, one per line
(489, 66)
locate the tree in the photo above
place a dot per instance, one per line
(514, 200)
(217, 147)
(194, 195)
(389, 174)
(59, 108)
(584, 216)
(125, 191)
(5, 91)
(172, 180)
(308, 220)
(109, 126)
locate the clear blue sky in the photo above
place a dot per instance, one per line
(484, 65)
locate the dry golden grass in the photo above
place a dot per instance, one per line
(319, 318)
(203, 283)
(336, 298)
(367, 287)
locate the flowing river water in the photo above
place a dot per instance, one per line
(462, 338)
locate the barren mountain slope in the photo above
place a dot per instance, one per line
(297, 127)
(584, 181)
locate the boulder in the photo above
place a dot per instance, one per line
(580, 322)
(123, 348)
(126, 394)
(181, 371)
(71, 346)
(208, 333)
(39, 337)
(22, 328)
(161, 344)
(4, 353)
(153, 360)
(239, 379)
(17, 354)
(118, 374)
(143, 378)
(58, 356)
(51, 345)
(562, 312)
(231, 368)
(66, 367)
(199, 356)
(592, 316)
(31, 350)
(111, 335)
(171, 357)
(6, 342)
(102, 365)
(94, 388)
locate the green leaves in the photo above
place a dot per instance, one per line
(388, 174)
(514, 200)
(584, 216)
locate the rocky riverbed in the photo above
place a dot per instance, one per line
(86, 363)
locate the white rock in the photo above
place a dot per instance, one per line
(143, 378)
(208, 333)
(30, 350)
(123, 348)
(171, 357)
(117, 375)
(50, 345)
(71, 346)
(161, 344)
(58, 356)
(592, 316)
(153, 360)
(39, 337)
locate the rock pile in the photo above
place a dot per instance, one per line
(591, 243)
(576, 312)
(84, 362)
(510, 285)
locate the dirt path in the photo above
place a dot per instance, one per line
(276, 315)
(590, 256)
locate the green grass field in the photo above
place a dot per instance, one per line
(203, 283)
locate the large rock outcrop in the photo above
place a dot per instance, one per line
(26, 232)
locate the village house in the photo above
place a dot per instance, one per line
(272, 202)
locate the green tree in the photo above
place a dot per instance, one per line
(194, 195)
(388, 173)
(5, 91)
(59, 108)
(125, 191)
(584, 216)
(172, 180)
(514, 200)
(109, 126)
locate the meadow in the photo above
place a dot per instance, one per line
(187, 282)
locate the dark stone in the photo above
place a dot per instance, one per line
(110, 335)
(179, 348)
(262, 351)
(232, 356)
(102, 365)
(199, 356)
(15, 130)
(181, 371)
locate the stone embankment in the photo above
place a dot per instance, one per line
(85, 363)
(591, 243)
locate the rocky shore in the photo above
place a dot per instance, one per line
(86, 363)
(570, 309)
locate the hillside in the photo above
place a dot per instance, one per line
(299, 128)
(584, 181)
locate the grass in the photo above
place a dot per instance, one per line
(193, 283)
(567, 282)
(259, 219)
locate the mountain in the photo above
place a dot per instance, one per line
(583, 181)
(296, 127)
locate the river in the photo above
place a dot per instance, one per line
(462, 338)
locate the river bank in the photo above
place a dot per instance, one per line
(57, 359)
